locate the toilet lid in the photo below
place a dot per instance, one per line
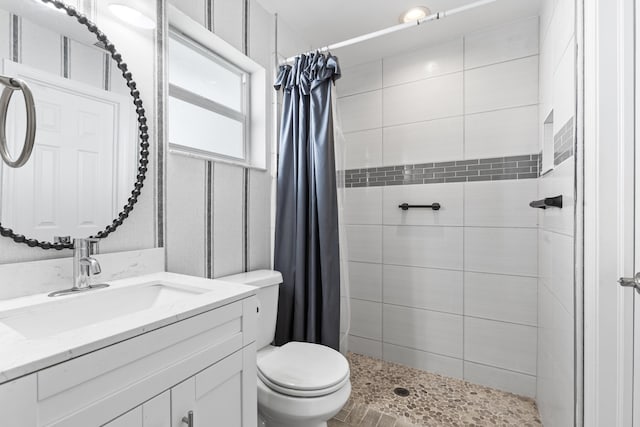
(303, 369)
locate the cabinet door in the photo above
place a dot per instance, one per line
(154, 413)
(215, 396)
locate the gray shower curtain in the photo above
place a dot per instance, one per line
(307, 251)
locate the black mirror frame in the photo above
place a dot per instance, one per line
(142, 127)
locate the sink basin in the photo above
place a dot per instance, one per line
(72, 312)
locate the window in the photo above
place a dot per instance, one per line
(208, 102)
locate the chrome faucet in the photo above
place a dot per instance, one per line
(84, 266)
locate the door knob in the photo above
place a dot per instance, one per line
(188, 420)
(631, 282)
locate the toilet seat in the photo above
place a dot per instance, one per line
(303, 370)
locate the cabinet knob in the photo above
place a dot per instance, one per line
(188, 419)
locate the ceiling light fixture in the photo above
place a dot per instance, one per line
(132, 16)
(414, 14)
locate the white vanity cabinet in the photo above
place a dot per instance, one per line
(154, 413)
(205, 363)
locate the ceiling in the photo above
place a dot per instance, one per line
(329, 21)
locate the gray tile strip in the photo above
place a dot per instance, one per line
(563, 143)
(208, 189)
(16, 40)
(491, 169)
(66, 57)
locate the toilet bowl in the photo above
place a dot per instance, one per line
(299, 384)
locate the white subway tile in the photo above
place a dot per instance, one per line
(186, 240)
(509, 132)
(505, 85)
(562, 28)
(364, 243)
(501, 203)
(564, 90)
(443, 58)
(360, 78)
(362, 149)
(227, 22)
(562, 270)
(367, 347)
(501, 250)
(228, 235)
(40, 47)
(545, 256)
(499, 344)
(361, 112)
(436, 247)
(366, 319)
(513, 382)
(430, 331)
(345, 313)
(442, 365)
(501, 43)
(5, 36)
(559, 182)
(259, 220)
(430, 141)
(432, 289)
(366, 281)
(450, 197)
(363, 205)
(429, 99)
(499, 297)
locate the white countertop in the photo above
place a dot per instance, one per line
(21, 356)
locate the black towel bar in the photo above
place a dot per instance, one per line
(549, 202)
(407, 206)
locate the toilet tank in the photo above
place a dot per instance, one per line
(267, 282)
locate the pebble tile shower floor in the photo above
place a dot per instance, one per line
(433, 400)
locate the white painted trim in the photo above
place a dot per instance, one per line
(258, 152)
(608, 239)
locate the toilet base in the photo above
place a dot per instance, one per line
(278, 410)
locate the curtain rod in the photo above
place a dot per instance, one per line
(433, 17)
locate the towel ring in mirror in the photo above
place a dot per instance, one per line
(10, 86)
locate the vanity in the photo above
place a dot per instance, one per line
(156, 350)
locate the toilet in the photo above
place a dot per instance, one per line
(299, 384)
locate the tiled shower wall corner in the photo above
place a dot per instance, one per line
(218, 218)
(556, 296)
(452, 291)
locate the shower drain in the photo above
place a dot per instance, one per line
(401, 391)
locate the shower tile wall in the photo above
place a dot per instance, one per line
(452, 291)
(556, 296)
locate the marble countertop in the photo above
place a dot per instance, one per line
(20, 355)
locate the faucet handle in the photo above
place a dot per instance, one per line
(90, 243)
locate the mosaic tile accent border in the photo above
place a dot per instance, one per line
(563, 143)
(491, 169)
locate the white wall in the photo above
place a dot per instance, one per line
(207, 232)
(556, 296)
(454, 292)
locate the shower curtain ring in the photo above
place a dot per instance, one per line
(12, 84)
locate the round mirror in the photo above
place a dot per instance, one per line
(91, 137)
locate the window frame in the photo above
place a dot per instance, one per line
(261, 97)
(185, 95)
